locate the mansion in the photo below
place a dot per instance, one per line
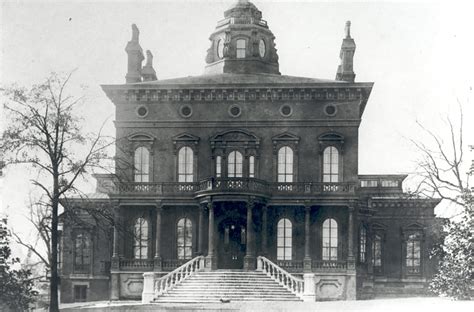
(247, 174)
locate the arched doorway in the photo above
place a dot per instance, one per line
(232, 243)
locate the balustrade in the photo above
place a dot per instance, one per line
(170, 280)
(232, 185)
(293, 284)
(329, 264)
(136, 264)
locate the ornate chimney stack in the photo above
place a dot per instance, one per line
(135, 57)
(345, 71)
(148, 72)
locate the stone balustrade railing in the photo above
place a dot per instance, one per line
(154, 286)
(233, 185)
(293, 284)
(138, 264)
(329, 264)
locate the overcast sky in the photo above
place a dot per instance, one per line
(419, 54)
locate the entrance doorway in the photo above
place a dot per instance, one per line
(232, 244)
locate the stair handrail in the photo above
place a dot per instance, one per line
(278, 274)
(173, 278)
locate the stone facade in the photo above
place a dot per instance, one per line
(243, 162)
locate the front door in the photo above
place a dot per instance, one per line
(232, 246)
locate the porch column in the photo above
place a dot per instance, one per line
(264, 230)
(202, 210)
(307, 256)
(249, 259)
(115, 265)
(157, 265)
(211, 259)
(115, 248)
(350, 243)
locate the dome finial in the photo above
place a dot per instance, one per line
(348, 29)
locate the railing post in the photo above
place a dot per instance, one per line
(148, 293)
(309, 292)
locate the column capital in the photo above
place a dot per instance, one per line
(158, 204)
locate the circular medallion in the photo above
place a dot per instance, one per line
(286, 110)
(330, 110)
(235, 111)
(185, 111)
(142, 111)
(261, 48)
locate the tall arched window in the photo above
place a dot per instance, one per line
(218, 166)
(284, 239)
(377, 253)
(234, 165)
(82, 253)
(362, 244)
(140, 239)
(330, 164)
(185, 165)
(142, 165)
(240, 48)
(184, 237)
(413, 256)
(252, 167)
(285, 164)
(330, 239)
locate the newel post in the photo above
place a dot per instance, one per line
(148, 293)
(309, 293)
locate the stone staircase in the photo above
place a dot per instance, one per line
(225, 285)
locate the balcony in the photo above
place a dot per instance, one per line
(248, 186)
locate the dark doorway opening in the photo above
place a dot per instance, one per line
(232, 244)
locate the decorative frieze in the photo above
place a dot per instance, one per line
(287, 94)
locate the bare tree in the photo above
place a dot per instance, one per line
(442, 166)
(445, 173)
(44, 130)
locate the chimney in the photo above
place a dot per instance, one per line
(345, 71)
(148, 72)
(135, 57)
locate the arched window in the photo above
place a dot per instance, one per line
(234, 162)
(140, 239)
(362, 244)
(330, 164)
(184, 239)
(82, 253)
(252, 167)
(218, 166)
(240, 48)
(185, 165)
(413, 256)
(285, 164)
(377, 253)
(330, 239)
(284, 239)
(142, 164)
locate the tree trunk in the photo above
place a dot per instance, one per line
(53, 300)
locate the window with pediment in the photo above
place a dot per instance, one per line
(186, 151)
(141, 149)
(235, 154)
(285, 149)
(331, 147)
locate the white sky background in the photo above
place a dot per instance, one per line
(419, 54)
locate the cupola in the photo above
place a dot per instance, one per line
(242, 43)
